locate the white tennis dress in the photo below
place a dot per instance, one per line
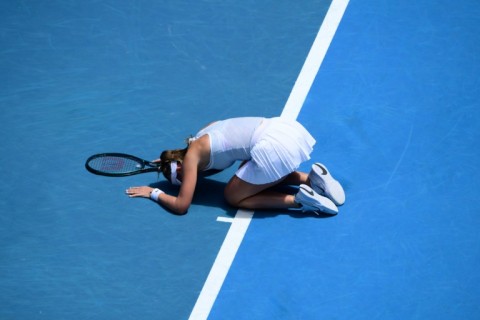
(273, 147)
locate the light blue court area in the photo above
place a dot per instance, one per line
(395, 109)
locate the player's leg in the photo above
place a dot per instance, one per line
(242, 194)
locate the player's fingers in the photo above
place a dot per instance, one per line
(131, 191)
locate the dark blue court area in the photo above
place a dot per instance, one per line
(395, 109)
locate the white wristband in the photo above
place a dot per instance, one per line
(155, 194)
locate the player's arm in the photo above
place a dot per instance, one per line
(181, 203)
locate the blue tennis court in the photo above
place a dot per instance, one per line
(394, 108)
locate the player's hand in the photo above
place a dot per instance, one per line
(139, 192)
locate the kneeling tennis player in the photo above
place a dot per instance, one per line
(271, 150)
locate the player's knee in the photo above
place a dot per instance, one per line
(230, 197)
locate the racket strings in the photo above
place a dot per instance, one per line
(112, 164)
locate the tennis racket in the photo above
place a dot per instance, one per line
(119, 165)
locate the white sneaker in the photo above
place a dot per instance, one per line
(324, 184)
(312, 201)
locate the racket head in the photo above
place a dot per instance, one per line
(118, 165)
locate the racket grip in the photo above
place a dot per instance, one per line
(155, 194)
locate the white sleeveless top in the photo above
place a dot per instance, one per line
(230, 140)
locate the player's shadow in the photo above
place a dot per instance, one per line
(297, 214)
(294, 213)
(209, 193)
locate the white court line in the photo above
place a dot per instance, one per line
(314, 59)
(225, 219)
(294, 104)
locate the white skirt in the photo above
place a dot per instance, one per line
(279, 146)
